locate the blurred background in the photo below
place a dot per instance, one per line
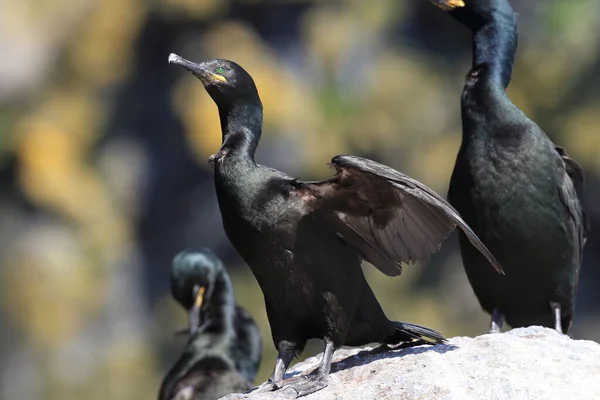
(104, 146)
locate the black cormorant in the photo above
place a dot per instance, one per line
(513, 186)
(304, 241)
(224, 351)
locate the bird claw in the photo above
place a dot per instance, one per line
(414, 343)
(268, 386)
(382, 348)
(295, 387)
(290, 392)
(303, 387)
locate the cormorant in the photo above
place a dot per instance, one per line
(224, 351)
(304, 241)
(513, 186)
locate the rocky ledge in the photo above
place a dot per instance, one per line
(521, 364)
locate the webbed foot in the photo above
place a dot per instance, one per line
(304, 385)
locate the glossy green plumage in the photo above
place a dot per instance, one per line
(513, 186)
(224, 353)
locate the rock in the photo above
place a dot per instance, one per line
(525, 363)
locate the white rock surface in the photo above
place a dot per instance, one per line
(521, 364)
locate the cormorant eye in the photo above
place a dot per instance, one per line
(220, 70)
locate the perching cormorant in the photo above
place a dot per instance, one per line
(224, 351)
(513, 186)
(304, 241)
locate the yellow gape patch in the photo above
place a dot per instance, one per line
(447, 5)
(456, 3)
(200, 297)
(217, 77)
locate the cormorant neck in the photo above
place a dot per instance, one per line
(495, 45)
(241, 126)
(221, 308)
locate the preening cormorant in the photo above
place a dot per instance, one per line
(304, 241)
(224, 351)
(513, 186)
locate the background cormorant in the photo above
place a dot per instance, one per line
(513, 186)
(304, 241)
(225, 349)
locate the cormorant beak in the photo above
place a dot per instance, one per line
(198, 70)
(194, 313)
(448, 5)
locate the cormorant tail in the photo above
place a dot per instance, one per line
(406, 332)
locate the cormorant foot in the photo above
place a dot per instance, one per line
(494, 329)
(305, 385)
(414, 343)
(557, 316)
(497, 321)
(268, 386)
(383, 348)
(313, 382)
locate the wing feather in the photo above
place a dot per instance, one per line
(570, 190)
(388, 216)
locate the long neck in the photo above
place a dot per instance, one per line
(241, 126)
(221, 309)
(495, 45)
(484, 96)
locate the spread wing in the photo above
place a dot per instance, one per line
(388, 216)
(570, 190)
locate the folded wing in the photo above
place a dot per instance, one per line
(570, 190)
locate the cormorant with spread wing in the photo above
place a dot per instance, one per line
(304, 241)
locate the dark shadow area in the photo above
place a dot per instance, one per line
(378, 353)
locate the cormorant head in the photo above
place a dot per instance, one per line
(193, 276)
(225, 81)
(477, 13)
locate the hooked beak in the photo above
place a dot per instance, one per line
(448, 5)
(194, 313)
(199, 70)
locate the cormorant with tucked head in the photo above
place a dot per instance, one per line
(224, 351)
